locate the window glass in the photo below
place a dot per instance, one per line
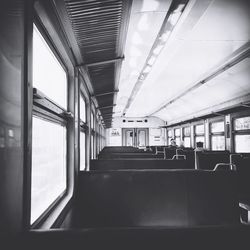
(186, 131)
(48, 178)
(92, 147)
(199, 129)
(218, 142)
(48, 74)
(187, 142)
(242, 123)
(217, 127)
(200, 139)
(92, 120)
(178, 141)
(82, 151)
(82, 109)
(177, 132)
(242, 143)
(169, 133)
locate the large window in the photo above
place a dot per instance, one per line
(187, 137)
(48, 165)
(217, 132)
(199, 131)
(241, 128)
(48, 74)
(49, 133)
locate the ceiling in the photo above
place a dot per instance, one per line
(172, 59)
(211, 38)
(96, 31)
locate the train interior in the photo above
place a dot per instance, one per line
(124, 124)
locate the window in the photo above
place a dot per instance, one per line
(217, 132)
(82, 109)
(92, 120)
(82, 151)
(49, 133)
(48, 165)
(83, 128)
(186, 137)
(169, 136)
(92, 146)
(177, 133)
(241, 128)
(199, 133)
(48, 74)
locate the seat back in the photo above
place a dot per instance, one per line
(169, 198)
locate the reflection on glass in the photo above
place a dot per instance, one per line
(82, 151)
(48, 179)
(218, 142)
(242, 123)
(48, 75)
(217, 127)
(242, 143)
(199, 129)
(82, 109)
(187, 142)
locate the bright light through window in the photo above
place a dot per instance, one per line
(242, 143)
(82, 151)
(82, 109)
(48, 74)
(48, 179)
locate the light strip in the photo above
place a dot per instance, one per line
(172, 17)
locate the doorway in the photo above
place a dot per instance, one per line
(135, 137)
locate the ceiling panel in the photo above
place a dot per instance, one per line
(210, 32)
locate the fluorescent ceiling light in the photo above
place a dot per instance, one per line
(151, 61)
(173, 19)
(147, 69)
(164, 37)
(179, 8)
(158, 49)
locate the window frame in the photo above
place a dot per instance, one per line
(46, 109)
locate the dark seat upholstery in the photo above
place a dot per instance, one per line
(242, 163)
(178, 198)
(117, 164)
(138, 155)
(208, 159)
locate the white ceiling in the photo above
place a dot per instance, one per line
(208, 33)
